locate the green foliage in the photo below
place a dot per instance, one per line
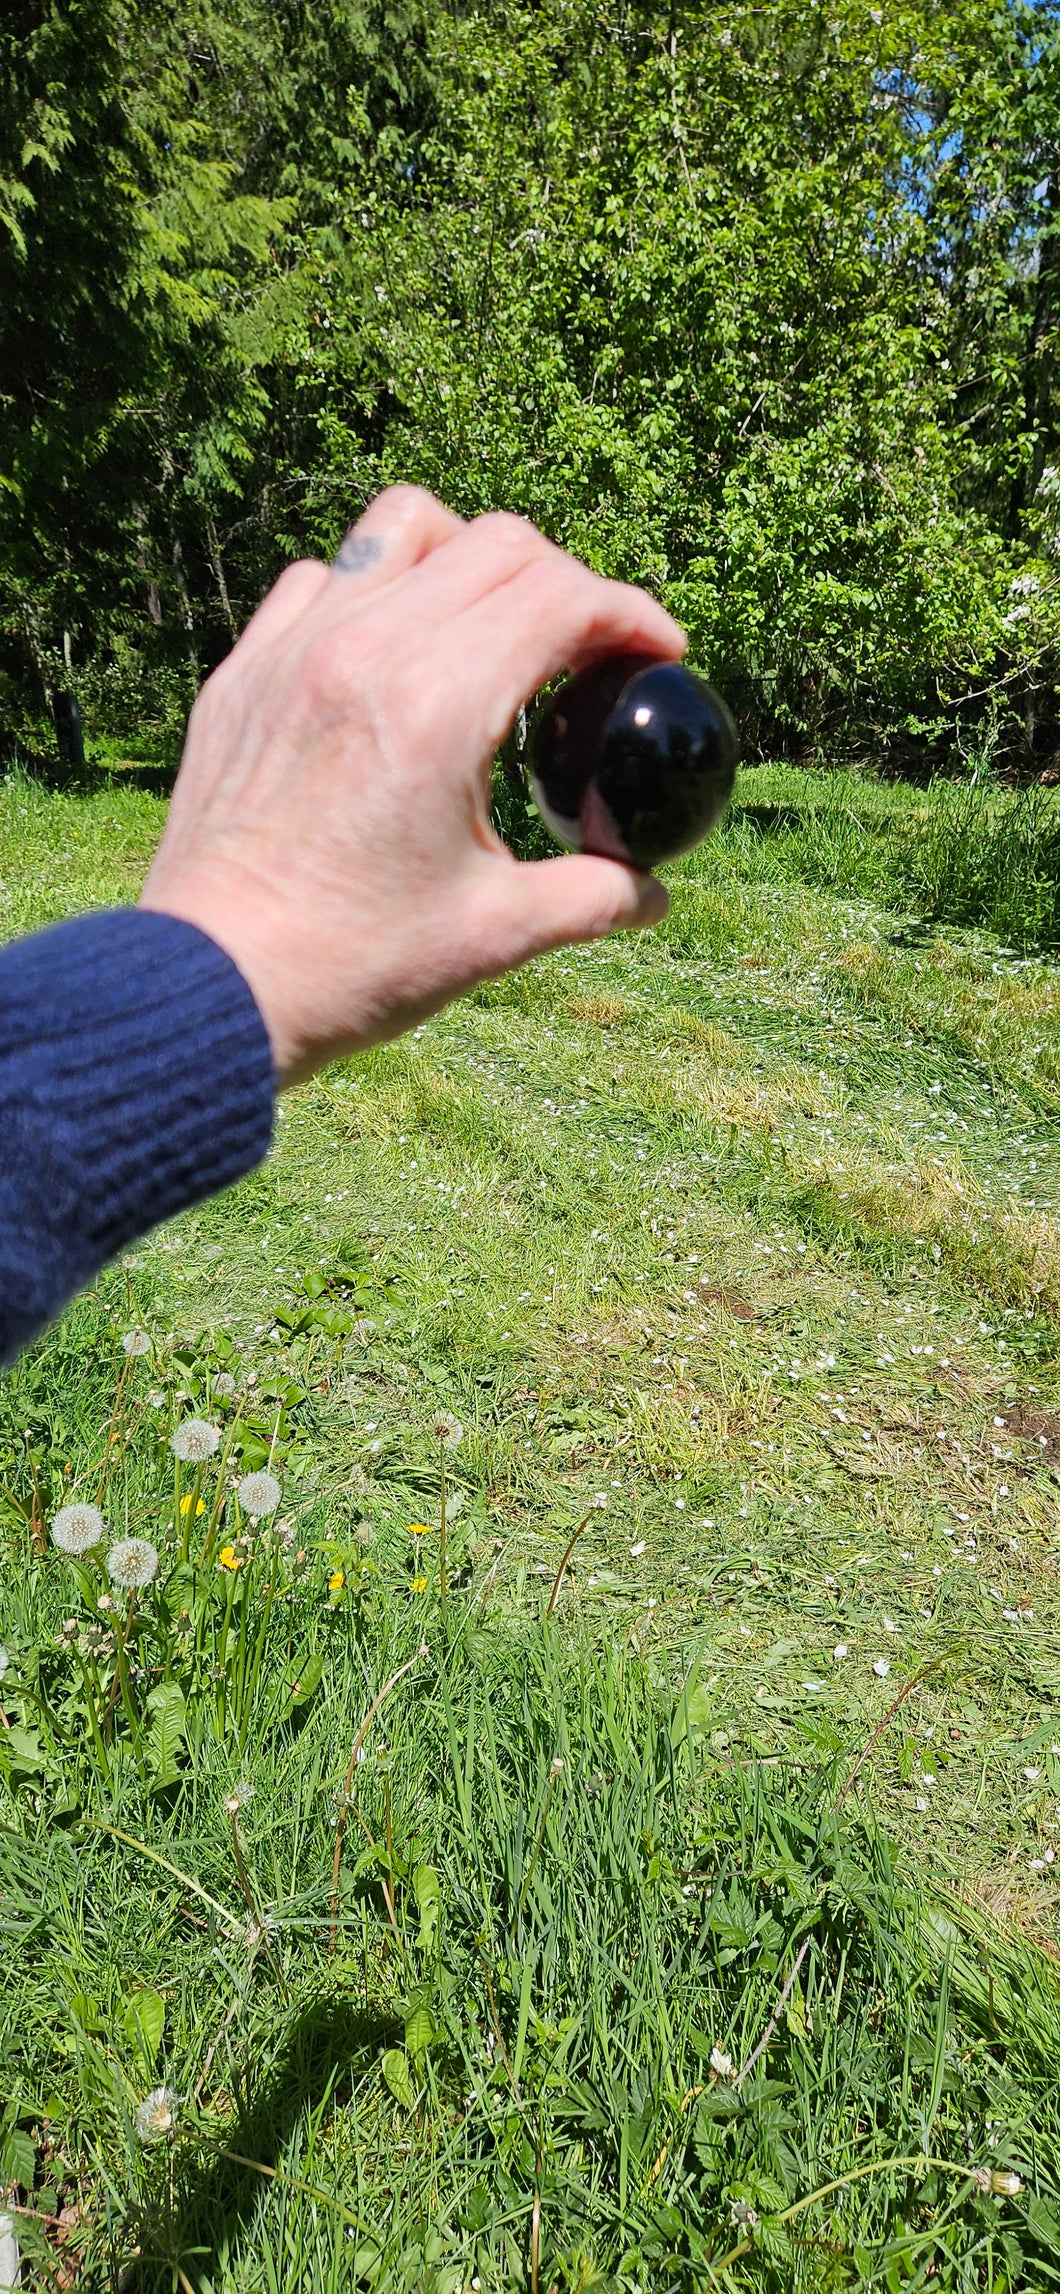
(758, 308)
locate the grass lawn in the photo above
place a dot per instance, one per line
(680, 1918)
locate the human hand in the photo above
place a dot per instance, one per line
(330, 827)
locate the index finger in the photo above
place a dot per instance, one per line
(553, 614)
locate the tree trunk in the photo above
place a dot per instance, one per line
(186, 614)
(219, 577)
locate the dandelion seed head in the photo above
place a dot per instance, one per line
(224, 1383)
(195, 1441)
(156, 2119)
(131, 1564)
(136, 1342)
(77, 1527)
(259, 1494)
(155, 1400)
(447, 1429)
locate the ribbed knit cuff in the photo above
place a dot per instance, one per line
(135, 1079)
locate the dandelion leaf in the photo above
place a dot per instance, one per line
(167, 1722)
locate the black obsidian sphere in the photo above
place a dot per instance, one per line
(634, 759)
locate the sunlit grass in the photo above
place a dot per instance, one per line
(749, 1227)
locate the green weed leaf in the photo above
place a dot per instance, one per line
(18, 2159)
(167, 1716)
(145, 2021)
(396, 2074)
(428, 1903)
(419, 2030)
(304, 1680)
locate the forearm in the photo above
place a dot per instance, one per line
(135, 1079)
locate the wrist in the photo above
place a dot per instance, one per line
(223, 906)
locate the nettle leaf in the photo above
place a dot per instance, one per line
(167, 1714)
(145, 2022)
(18, 2158)
(428, 1902)
(398, 2079)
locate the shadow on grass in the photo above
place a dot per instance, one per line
(154, 775)
(331, 2044)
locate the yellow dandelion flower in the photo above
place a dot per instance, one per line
(229, 1558)
(419, 1529)
(419, 1585)
(336, 1581)
(185, 1505)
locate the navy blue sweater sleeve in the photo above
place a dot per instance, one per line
(135, 1078)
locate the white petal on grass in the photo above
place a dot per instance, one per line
(841, 1650)
(77, 1527)
(259, 1494)
(136, 1342)
(882, 1667)
(195, 1441)
(5, 1660)
(156, 2119)
(131, 1564)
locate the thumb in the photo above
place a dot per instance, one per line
(550, 903)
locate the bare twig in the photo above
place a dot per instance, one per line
(562, 1570)
(787, 1989)
(895, 1706)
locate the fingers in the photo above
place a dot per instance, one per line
(296, 590)
(555, 615)
(483, 561)
(531, 907)
(398, 530)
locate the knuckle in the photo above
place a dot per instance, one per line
(298, 579)
(332, 668)
(406, 499)
(509, 536)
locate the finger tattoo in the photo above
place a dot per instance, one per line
(358, 552)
